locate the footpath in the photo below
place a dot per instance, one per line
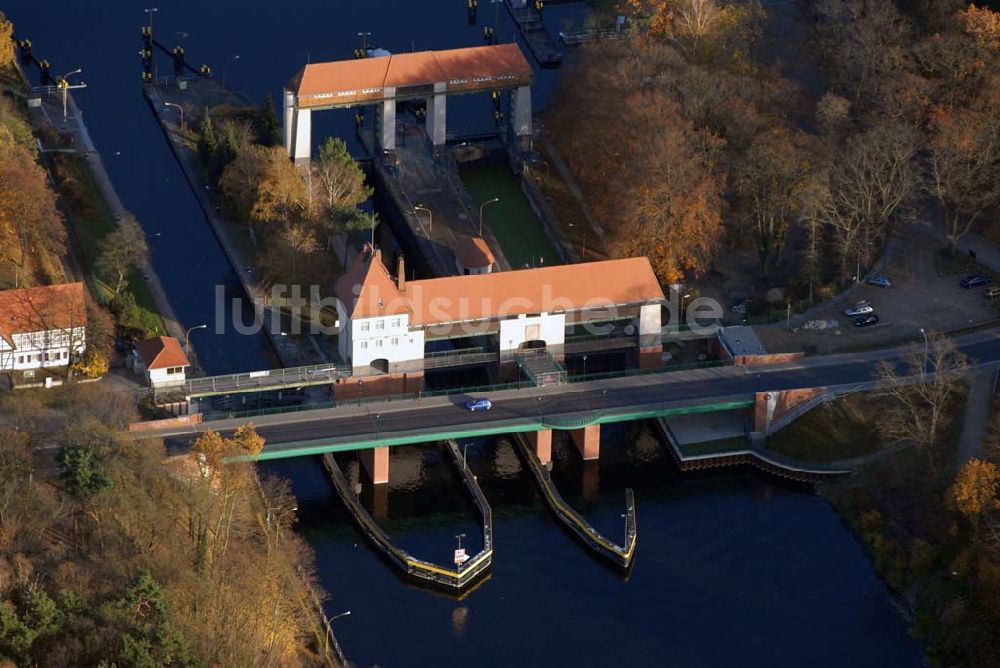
(976, 417)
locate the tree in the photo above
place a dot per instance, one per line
(270, 129)
(975, 489)
(337, 180)
(6, 41)
(208, 143)
(264, 187)
(965, 165)
(29, 219)
(771, 178)
(93, 364)
(85, 472)
(869, 179)
(122, 251)
(921, 389)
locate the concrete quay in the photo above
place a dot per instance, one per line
(201, 94)
(414, 174)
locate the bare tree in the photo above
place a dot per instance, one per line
(870, 178)
(920, 388)
(122, 250)
(965, 166)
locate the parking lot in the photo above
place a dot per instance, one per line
(925, 294)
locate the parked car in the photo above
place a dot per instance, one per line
(974, 281)
(866, 320)
(879, 281)
(474, 405)
(861, 308)
(992, 293)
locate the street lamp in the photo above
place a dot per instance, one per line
(465, 456)
(364, 41)
(481, 207)
(151, 11)
(430, 216)
(179, 108)
(63, 82)
(926, 343)
(584, 364)
(225, 67)
(187, 338)
(329, 631)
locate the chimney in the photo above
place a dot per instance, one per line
(401, 273)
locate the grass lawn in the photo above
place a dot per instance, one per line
(512, 221)
(840, 429)
(90, 221)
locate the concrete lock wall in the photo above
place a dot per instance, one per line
(547, 327)
(522, 111)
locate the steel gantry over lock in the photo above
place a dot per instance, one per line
(382, 81)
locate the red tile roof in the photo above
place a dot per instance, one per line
(162, 352)
(474, 252)
(39, 309)
(367, 290)
(346, 81)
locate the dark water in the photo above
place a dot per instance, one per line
(731, 570)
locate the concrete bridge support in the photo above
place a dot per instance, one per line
(541, 441)
(302, 136)
(650, 342)
(588, 441)
(376, 462)
(288, 122)
(437, 109)
(520, 116)
(389, 121)
(771, 406)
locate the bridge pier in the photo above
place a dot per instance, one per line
(520, 118)
(389, 120)
(772, 405)
(376, 462)
(587, 441)
(541, 441)
(437, 112)
(302, 136)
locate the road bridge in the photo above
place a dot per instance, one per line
(576, 407)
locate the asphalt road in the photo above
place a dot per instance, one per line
(408, 418)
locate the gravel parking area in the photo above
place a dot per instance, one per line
(925, 294)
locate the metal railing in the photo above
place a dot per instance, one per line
(618, 554)
(265, 379)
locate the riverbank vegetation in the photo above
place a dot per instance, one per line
(694, 149)
(293, 216)
(112, 553)
(55, 226)
(930, 520)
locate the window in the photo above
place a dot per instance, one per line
(20, 359)
(380, 324)
(173, 370)
(365, 326)
(364, 345)
(395, 341)
(395, 322)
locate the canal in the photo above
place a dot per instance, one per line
(731, 569)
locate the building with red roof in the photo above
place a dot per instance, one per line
(42, 327)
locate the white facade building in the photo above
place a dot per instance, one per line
(384, 322)
(42, 327)
(162, 361)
